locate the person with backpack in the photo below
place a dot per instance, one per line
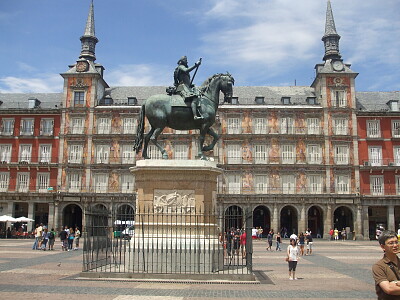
(45, 238)
(64, 239)
(52, 238)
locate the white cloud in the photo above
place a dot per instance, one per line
(47, 83)
(139, 75)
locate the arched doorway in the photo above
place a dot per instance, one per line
(342, 218)
(233, 217)
(262, 218)
(377, 216)
(72, 216)
(98, 220)
(125, 213)
(289, 220)
(315, 221)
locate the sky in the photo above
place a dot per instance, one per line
(260, 42)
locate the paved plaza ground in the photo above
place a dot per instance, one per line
(336, 270)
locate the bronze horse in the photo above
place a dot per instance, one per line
(161, 113)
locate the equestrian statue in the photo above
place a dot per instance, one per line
(184, 107)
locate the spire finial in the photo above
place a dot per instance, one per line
(89, 40)
(331, 38)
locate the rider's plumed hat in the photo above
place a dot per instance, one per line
(182, 59)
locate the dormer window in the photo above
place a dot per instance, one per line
(393, 105)
(234, 100)
(132, 101)
(108, 100)
(285, 100)
(260, 100)
(311, 100)
(33, 103)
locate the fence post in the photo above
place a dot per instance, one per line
(249, 239)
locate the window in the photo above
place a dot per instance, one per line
(7, 126)
(373, 129)
(287, 125)
(25, 153)
(396, 128)
(339, 98)
(342, 184)
(376, 185)
(288, 156)
(128, 154)
(397, 185)
(23, 182)
(288, 184)
(261, 184)
(77, 125)
(127, 183)
(132, 101)
(27, 127)
(260, 126)
(128, 126)
(74, 182)
(234, 154)
(233, 126)
(341, 155)
(102, 154)
(46, 126)
(340, 126)
(44, 153)
(5, 153)
(4, 181)
(153, 152)
(234, 183)
(260, 154)
(43, 182)
(100, 183)
(103, 125)
(396, 154)
(313, 126)
(181, 151)
(75, 154)
(314, 155)
(375, 156)
(314, 184)
(79, 98)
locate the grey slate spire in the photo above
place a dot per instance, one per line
(89, 40)
(330, 38)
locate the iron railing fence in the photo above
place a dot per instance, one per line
(172, 240)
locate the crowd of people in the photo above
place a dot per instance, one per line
(45, 239)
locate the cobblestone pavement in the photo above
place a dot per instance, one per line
(335, 270)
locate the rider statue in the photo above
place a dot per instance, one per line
(184, 85)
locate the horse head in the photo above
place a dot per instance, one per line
(227, 86)
(220, 82)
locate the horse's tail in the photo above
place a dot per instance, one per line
(140, 131)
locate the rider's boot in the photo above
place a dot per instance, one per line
(194, 110)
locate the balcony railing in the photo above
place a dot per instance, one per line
(31, 160)
(380, 191)
(272, 160)
(287, 130)
(384, 162)
(272, 190)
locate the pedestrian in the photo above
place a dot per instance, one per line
(386, 270)
(45, 239)
(293, 236)
(52, 239)
(270, 236)
(302, 240)
(292, 258)
(336, 234)
(64, 239)
(254, 232)
(343, 233)
(260, 232)
(243, 237)
(278, 242)
(77, 237)
(71, 237)
(331, 233)
(309, 241)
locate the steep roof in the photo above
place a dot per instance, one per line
(48, 101)
(375, 101)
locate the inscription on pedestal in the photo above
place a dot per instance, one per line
(168, 201)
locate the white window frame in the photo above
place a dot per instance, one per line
(7, 126)
(234, 125)
(4, 181)
(43, 182)
(127, 183)
(396, 155)
(314, 182)
(396, 128)
(78, 101)
(128, 125)
(27, 126)
(313, 126)
(45, 153)
(314, 154)
(377, 185)
(397, 178)
(153, 152)
(5, 153)
(342, 184)
(75, 153)
(77, 125)
(260, 125)
(261, 184)
(102, 154)
(286, 125)
(341, 126)
(288, 154)
(181, 151)
(234, 183)
(74, 182)
(234, 153)
(260, 153)
(127, 154)
(46, 127)
(288, 183)
(375, 155)
(339, 98)
(373, 128)
(103, 125)
(341, 155)
(23, 182)
(100, 182)
(25, 153)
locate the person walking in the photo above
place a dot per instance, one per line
(64, 239)
(52, 238)
(45, 239)
(336, 234)
(309, 241)
(302, 240)
(77, 237)
(243, 238)
(71, 237)
(278, 242)
(270, 236)
(293, 253)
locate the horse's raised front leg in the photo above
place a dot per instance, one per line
(146, 143)
(214, 141)
(201, 143)
(157, 132)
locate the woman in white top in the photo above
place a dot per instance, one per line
(293, 253)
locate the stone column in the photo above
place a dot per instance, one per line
(365, 220)
(31, 215)
(51, 216)
(358, 225)
(302, 222)
(328, 221)
(275, 219)
(56, 217)
(9, 209)
(390, 217)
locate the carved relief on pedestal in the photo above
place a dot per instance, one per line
(167, 201)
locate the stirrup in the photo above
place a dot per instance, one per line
(198, 118)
